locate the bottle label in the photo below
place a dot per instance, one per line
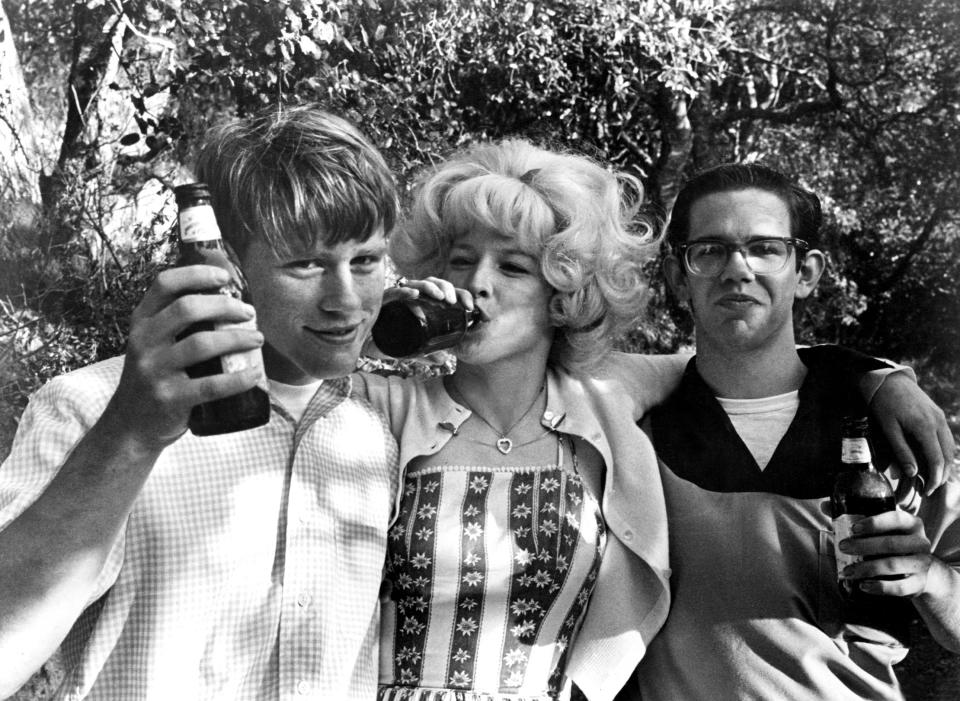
(855, 450)
(235, 362)
(198, 224)
(842, 529)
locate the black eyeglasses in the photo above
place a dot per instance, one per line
(763, 256)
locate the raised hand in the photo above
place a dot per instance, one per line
(155, 394)
(434, 287)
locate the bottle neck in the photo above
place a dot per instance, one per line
(855, 453)
(198, 223)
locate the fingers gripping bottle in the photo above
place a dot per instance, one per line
(420, 325)
(200, 242)
(859, 490)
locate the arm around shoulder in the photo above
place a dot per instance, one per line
(648, 379)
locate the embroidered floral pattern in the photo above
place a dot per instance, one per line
(540, 528)
(410, 568)
(473, 561)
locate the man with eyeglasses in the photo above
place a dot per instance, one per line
(746, 447)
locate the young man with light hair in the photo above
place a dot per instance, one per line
(240, 566)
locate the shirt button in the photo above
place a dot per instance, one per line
(548, 415)
(628, 535)
(303, 600)
(303, 688)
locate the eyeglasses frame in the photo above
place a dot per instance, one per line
(680, 250)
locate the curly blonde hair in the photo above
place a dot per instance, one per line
(581, 221)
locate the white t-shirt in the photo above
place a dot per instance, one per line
(762, 422)
(294, 398)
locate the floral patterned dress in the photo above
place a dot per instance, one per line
(488, 575)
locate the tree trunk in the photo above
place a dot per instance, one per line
(676, 143)
(85, 158)
(19, 162)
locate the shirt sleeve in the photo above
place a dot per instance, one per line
(863, 371)
(647, 379)
(55, 420)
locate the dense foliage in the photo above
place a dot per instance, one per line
(858, 97)
(102, 103)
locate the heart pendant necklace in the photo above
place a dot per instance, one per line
(504, 444)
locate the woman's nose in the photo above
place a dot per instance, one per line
(479, 282)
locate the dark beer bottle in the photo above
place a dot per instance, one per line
(200, 242)
(859, 490)
(420, 325)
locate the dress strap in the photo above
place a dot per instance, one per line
(573, 453)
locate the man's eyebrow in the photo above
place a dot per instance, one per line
(722, 239)
(372, 248)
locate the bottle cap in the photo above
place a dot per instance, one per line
(191, 193)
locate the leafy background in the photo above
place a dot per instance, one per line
(102, 103)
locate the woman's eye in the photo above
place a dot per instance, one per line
(515, 268)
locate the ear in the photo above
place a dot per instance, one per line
(809, 275)
(676, 277)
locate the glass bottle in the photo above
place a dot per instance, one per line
(420, 325)
(201, 243)
(859, 490)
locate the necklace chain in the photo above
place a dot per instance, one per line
(513, 445)
(504, 444)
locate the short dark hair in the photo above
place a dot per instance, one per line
(806, 215)
(293, 175)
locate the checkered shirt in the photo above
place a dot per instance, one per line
(250, 565)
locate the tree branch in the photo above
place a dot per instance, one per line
(915, 248)
(785, 115)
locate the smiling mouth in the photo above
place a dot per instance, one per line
(342, 335)
(737, 300)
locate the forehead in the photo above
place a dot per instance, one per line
(320, 248)
(739, 214)
(495, 240)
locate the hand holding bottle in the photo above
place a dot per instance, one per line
(155, 396)
(896, 552)
(423, 316)
(431, 287)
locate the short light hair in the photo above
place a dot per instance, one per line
(578, 219)
(293, 176)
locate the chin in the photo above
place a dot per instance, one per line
(469, 355)
(331, 367)
(335, 370)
